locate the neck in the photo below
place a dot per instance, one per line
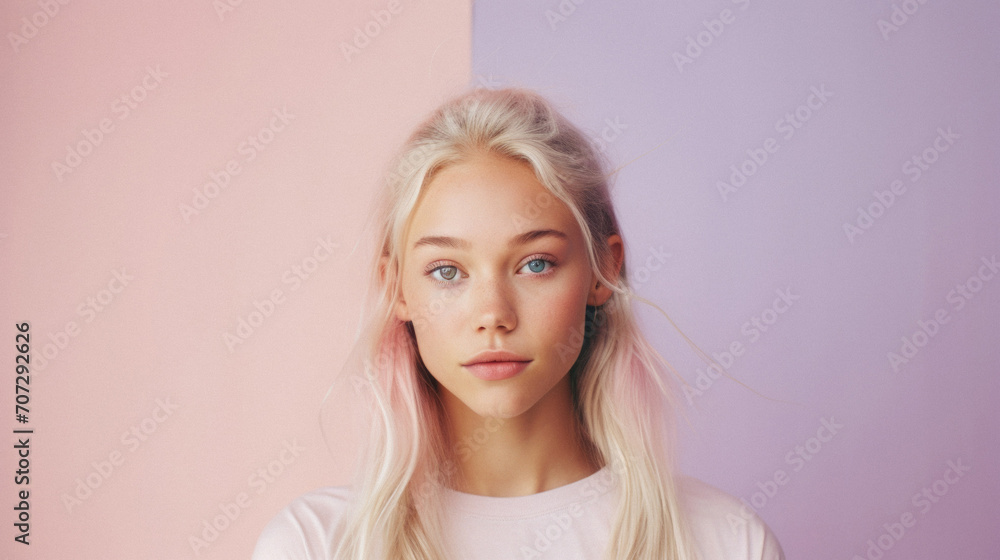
(536, 451)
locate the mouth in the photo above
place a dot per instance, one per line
(487, 356)
(496, 364)
(496, 370)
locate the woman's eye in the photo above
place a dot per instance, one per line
(447, 273)
(450, 274)
(538, 265)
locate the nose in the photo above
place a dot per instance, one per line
(494, 306)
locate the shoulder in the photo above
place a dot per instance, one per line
(303, 529)
(724, 527)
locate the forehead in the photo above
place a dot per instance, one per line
(488, 199)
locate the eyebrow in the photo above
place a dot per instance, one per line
(456, 243)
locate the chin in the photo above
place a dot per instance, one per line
(503, 408)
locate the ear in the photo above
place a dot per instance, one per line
(599, 293)
(401, 309)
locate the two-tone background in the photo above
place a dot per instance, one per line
(809, 190)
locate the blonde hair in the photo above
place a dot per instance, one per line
(623, 405)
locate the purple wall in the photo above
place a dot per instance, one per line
(865, 215)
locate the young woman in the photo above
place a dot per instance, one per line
(516, 410)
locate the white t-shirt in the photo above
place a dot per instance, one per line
(571, 522)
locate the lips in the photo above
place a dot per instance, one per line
(495, 371)
(495, 356)
(494, 365)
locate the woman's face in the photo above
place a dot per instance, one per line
(492, 261)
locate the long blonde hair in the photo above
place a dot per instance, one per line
(622, 401)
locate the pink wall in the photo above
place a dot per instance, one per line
(832, 106)
(129, 295)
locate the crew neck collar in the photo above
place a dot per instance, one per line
(553, 499)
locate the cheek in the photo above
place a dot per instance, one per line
(559, 317)
(435, 319)
(436, 310)
(430, 350)
(424, 304)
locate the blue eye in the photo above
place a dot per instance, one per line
(538, 265)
